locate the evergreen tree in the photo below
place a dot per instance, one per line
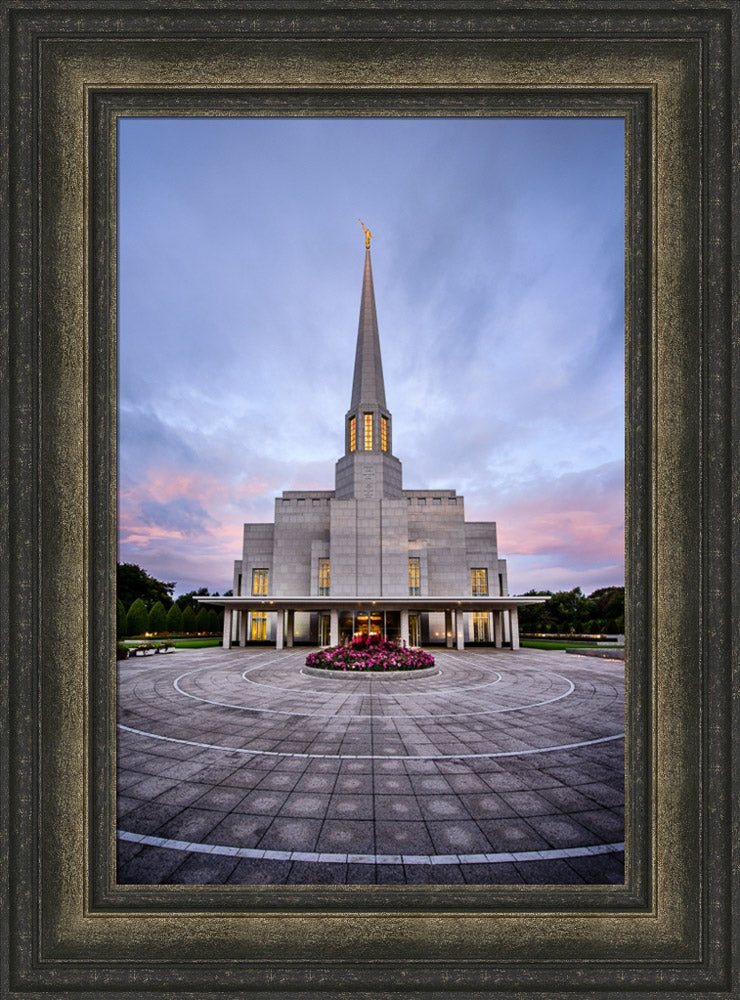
(137, 619)
(212, 620)
(174, 619)
(157, 618)
(188, 620)
(120, 620)
(201, 620)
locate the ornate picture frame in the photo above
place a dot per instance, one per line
(71, 68)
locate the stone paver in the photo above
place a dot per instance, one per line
(236, 766)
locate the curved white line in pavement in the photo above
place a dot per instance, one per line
(370, 756)
(350, 715)
(553, 854)
(376, 694)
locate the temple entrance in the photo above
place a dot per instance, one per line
(372, 624)
(414, 631)
(324, 630)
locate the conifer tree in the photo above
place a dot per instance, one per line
(201, 621)
(212, 620)
(157, 618)
(120, 620)
(188, 620)
(174, 619)
(137, 619)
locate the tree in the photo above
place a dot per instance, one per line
(137, 619)
(132, 583)
(157, 618)
(188, 620)
(531, 616)
(174, 619)
(212, 620)
(201, 620)
(186, 600)
(120, 619)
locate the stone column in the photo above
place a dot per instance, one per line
(514, 615)
(460, 629)
(243, 616)
(279, 621)
(227, 628)
(448, 630)
(290, 629)
(333, 627)
(405, 627)
(497, 629)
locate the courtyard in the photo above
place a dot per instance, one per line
(243, 766)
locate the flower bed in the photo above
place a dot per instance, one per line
(370, 653)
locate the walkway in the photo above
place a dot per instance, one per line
(240, 766)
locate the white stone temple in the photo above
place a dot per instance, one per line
(369, 555)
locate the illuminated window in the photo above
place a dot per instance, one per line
(259, 581)
(352, 434)
(480, 626)
(479, 582)
(259, 625)
(384, 433)
(368, 432)
(414, 589)
(324, 577)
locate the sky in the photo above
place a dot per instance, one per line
(498, 265)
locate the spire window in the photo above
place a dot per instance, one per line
(259, 582)
(384, 433)
(352, 434)
(479, 582)
(368, 432)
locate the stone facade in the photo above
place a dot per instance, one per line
(369, 537)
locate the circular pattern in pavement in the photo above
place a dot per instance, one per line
(236, 765)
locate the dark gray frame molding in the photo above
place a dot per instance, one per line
(70, 69)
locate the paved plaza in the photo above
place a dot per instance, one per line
(243, 766)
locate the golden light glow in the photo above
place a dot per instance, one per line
(352, 434)
(414, 588)
(368, 432)
(259, 625)
(259, 581)
(384, 433)
(324, 578)
(479, 582)
(480, 626)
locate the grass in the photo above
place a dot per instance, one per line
(177, 643)
(195, 643)
(533, 644)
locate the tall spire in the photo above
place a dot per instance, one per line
(368, 469)
(367, 385)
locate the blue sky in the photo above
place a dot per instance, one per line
(498, 261)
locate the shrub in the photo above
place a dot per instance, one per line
(201, 621)
(120, 619)
(137, 619)
(188, 620)
(157, 618)
(370, 653)
(174, 619)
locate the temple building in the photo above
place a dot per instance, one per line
(369, 555)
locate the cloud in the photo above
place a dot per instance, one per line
(498, 260)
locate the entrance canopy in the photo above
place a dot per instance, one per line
(453, 607)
